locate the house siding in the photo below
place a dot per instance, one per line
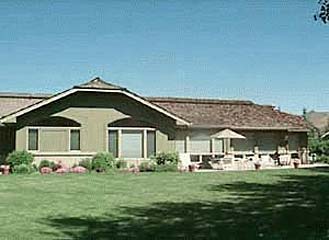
(94, 112)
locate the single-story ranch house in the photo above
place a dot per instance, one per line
(99, 116)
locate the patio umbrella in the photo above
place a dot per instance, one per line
(227, 134)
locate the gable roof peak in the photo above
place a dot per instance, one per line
(98, 83)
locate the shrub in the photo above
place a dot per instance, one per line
(319, 146)
(147, 167)
(18, 158)
(121, 164)
(166, 158)
(103, 161)
(22, 169)
(86, 163)
(323, 159)
(34, 168)
(166, 168)
(47, 163)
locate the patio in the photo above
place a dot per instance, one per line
(229, 159)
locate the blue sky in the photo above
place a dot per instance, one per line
(271, 52)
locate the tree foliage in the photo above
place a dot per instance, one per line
(319, 146)
(323, 12)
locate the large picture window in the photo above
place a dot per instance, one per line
(33, 139)
(53, 139)
(130, 143)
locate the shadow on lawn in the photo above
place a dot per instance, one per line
(295, 208)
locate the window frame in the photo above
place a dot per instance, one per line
(143, 131)
(38, 128)
(70, 129)
(154, 144)
(28, 139)
(117, 142)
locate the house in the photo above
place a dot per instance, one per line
(99, 116)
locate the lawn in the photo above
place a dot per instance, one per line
(282, 204)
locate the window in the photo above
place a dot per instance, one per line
(218, 146)
(74, 139)
(53, 139)
(151, 147)
(113, 142)
(33, 139)
(129, 142)
(200, 145)
(195, 158)
(132, 144)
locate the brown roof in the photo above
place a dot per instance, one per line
(11, 102)
(98, 83)
(229, 113)
(199, 112)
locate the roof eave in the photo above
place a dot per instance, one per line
(12, 117)
(289, 129)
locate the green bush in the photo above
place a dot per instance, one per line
(166, 158)
(121, 164)
(147, 167)
(47, 163)
(319, 146)
(166, 168)
(34, 168)
(22, 169)
(86, 163)
(19, 157)
(323, 159)
(103, 161)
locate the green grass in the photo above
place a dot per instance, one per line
(284, 204)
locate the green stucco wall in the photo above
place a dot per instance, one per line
(94, 111)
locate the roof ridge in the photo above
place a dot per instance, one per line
(24, 95)
(198, 100)
(98, 83)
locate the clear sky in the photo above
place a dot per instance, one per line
(271, 52)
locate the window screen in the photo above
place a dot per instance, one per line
(113, 142)
(151, 143)
(33, 139)
(75, 140)
(131, 145)
(200, 146)
(218, 146)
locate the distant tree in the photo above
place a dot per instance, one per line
(304, 113)
(323, 11)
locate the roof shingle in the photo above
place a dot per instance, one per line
(199, 112)
(11, 102)
(229, 113)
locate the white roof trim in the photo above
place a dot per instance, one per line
(73, 90)
(325, 135)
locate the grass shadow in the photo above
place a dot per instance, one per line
(294, 208)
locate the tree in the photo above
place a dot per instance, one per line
(323, 12)
(305, 113)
